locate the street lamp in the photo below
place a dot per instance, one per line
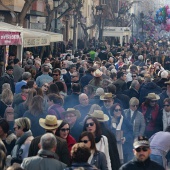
(132, 16)
(99, 12)
(55, 5)
(142, 21)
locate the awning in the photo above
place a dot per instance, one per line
(30, 38)
(54, 37)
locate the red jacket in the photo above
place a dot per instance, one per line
(70, 142)
(150, 125)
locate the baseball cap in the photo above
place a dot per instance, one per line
(141, 141)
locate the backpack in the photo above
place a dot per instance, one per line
(9, 113)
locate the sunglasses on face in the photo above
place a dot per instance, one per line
(55, 74)
(84, 141)
(133, 75)
(89, 124)
(117, 110)
(166, 105)
(134, 105)
(63, 130)
(142, 149)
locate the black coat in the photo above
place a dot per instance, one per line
(131, 93)
(67, 79)
(61, 151)
(146, 165)
(113, 152)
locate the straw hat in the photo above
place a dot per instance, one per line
(100, 116)
(72, 110)
(107, 96)
(152, 96)
(97, 73)
(50, 122)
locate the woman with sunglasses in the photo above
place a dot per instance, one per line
(97, 159)
(92, 125)
(63, 131)
(123, 131)
(135, 117)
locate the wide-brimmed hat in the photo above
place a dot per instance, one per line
(97, 73)
(50, 122)
(72, 110)
(107, 96)
(152, 96)
(100, 116)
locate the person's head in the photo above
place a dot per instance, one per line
(75, 77)
(45, 87)
(53, 88)
(21, 125)
(6, 86)
(76, 88)
(54, 99)
(141, 148)
(121, 75)
(46, 69)
(167, 104)
(4, 127)
(71, 116)
(89, 90)
(92, 125)
(9, 70)
(88, 139)
(94, 107)
(24, 91)
(80, 153)
(151, 99)
(50, 123)
(60, 86)
(133, 103)
(116, 110)
(83, 99)
(36, 106)
(63, 130)
(31, 84)
(16, 61)
(72, 68)
(135, 85)
(26, 76)
(108, 100)
(3, 154)
(56, 74)
(48, 142)
(7, 96)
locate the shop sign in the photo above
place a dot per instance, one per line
(38, 41)
(10, 38)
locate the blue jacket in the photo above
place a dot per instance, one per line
(18, 86)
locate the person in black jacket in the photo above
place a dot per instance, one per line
(141, 160)
(50, 124)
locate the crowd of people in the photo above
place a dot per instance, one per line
(107, 108)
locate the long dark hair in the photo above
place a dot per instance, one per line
(98, 131)
(113, 108)
(91, 138)
(59, 128)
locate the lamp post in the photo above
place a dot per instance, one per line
(132, 16)
(55, 5)
(142, 21)
(99, 11)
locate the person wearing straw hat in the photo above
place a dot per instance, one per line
(72, 117)
(108, 101)
(113, 152)
(153, 118)
(96, 82)
(50, 124)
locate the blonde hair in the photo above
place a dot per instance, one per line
(7, 96)
(134, 101)
(94, 107)
(31, 94)
(23, 123)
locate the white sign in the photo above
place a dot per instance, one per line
(34, 42)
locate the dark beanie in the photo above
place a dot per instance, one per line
(9, 68)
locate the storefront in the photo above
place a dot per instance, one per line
(123, 33)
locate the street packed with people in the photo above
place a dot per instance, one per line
(106, 107)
